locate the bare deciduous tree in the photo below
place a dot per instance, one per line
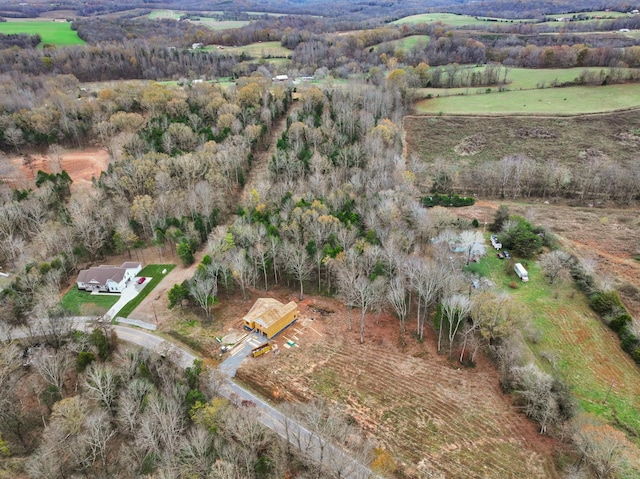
(605, 449)
(553, 263)
(203, 288)
(398, 297)
(298, 264)
(101, 383)
(52, 366)
(455, 310)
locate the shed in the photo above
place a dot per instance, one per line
(269, 316)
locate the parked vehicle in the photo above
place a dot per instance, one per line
(506, 254)
(521, 272)
(141, 280)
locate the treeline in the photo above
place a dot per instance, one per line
(130, 60)
(164, 32)
(517, 176)
(21, 40)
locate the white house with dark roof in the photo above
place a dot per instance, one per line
(107, 279)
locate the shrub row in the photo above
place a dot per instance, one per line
(446, 200)
(609, 306)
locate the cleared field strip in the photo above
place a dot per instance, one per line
(578, 347)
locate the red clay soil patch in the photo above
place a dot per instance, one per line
(434, 417)
(81, 165)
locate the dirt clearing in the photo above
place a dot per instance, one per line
(81, 165)
(433, 416)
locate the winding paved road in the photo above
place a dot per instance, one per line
(337, 461)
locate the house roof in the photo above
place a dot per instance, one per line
(130, 265)
(266, 311)
(101, 275)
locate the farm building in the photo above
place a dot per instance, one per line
(269, 316)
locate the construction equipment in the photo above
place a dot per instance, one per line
(260, 350)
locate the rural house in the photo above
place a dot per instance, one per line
(107, 279)
(269, 316)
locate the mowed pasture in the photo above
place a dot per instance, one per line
(548, 101)
(470, 140)
(52, 33)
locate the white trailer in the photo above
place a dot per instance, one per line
(521, 272)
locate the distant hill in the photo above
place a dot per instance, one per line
(358, 10)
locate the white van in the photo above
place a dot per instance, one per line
(521, 272)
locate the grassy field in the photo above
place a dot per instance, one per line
(517, 79)
(452, 19)
(214, 24)
(566, 138)
(257, 50)
(549, 101)
(407, 43)
(601, 13)
(54, 33)
(172, 14)
(575, 345)
(83, 303)
(207, 21)
(153, 271)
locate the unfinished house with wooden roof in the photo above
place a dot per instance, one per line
(269, 316)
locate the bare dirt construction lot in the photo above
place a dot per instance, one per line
(81, 165)
(609, 237)
(436, 419)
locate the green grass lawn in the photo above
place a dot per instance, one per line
(83, 303)
(153, 271)
(548, 101)
(574, 344)
(54, 33)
